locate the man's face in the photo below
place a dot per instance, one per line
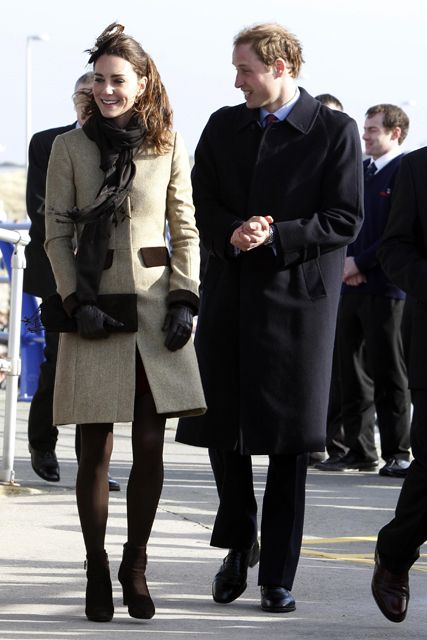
(378, 139)
(258, 82)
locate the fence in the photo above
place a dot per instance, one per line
(11, 364)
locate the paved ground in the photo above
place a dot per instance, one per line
(41, 557)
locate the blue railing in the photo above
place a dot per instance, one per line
(31, 343)
(15, 242)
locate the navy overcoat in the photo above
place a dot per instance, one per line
(266, 327)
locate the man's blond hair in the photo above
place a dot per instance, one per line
(271, 41)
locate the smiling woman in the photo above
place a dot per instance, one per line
(129, 84)
(116, 184)
(116, 88)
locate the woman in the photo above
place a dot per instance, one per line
(112, 187)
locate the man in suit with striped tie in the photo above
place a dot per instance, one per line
(370, 315)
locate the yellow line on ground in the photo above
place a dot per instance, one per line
(341, 539)
(361, 558)
(348, 557)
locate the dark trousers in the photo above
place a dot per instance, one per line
(335, 444)
(335, 438)
(42, 435)
(374, 321)
(400, 540)
(282, 511)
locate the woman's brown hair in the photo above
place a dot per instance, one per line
(153, 106)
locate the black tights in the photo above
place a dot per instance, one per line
(145, 480)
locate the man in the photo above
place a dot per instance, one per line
(276, 203)
(330, 101)
(334, 431)
(370, 316)
(39, 281)
(403, 258)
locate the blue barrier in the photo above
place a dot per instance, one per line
(32, 344)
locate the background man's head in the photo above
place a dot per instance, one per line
(330, 101)
(386, 127)
(82, 96)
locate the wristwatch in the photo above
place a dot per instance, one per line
(270, 238)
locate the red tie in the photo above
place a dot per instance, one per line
(270, 119)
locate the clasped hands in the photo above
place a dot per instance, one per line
(252, 233)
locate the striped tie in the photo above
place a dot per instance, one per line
(270, 119)
(370, 171)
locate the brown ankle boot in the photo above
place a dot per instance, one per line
(132, 578)
(99, 592)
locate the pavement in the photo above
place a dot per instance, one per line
(42, 580)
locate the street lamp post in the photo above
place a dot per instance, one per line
(28, 121)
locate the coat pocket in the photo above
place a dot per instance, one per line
(155, 256)
(313, 279)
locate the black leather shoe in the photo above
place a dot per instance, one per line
(45, 464)
(277, 600)
(395, 468)
(230, 581)
(315, 457)
(348, 462)
(113, 485)
(390, 591)
(327, 465)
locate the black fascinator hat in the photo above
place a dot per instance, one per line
(107, 39)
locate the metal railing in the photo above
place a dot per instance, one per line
(11, 364)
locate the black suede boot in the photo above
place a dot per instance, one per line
(99, 592)
(132, 578)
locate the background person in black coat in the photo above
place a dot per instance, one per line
(276, 204)
(403, 256)
(334, 429)
(39, 281)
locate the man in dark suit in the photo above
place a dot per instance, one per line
(277, 189)
(335, 446)
(39, 281)
(370, 315)
(403, 256)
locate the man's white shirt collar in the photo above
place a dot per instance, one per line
(382, 161)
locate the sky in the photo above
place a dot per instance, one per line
(363, 51)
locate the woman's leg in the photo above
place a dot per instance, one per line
(92, 503)
(92, 483)
(143, 494)
(146, 476)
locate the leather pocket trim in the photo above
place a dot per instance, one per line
(155, 256)
(108, 259)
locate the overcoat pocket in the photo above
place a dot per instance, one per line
(313, 279)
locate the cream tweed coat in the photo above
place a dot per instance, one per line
(95, 379)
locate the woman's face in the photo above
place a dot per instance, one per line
(116, 86)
